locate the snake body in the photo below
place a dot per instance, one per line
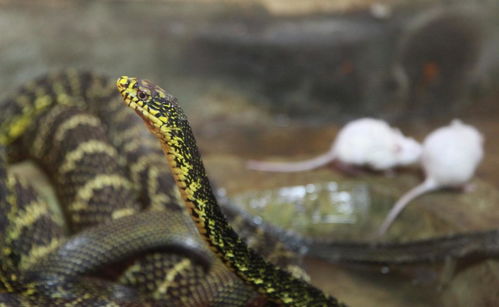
(475, 245)
(73, 125)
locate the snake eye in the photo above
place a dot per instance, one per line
(141, 95)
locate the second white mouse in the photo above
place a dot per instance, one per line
(450, 157)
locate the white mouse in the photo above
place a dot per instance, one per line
(450, 157)
(362, 142)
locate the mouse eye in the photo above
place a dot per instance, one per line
(141, 95)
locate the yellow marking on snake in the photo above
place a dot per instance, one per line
(137, 167)
(45, 127)
(11, 198)
(128, 134)
(25, 218)
(17, 128)
(73, 122)
(85, 193)
(83, 149)
(172, 273)
(74, 82)
(38, 252)
(123, 212)
(122, 114)
(61, 94)
(158, 199)
(145, 143)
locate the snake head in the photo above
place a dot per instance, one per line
(157, 108)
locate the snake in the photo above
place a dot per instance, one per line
(471, 245)
(167, 121)
(72, 125)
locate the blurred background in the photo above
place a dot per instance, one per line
(277, 78)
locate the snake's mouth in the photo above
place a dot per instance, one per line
(140, 112)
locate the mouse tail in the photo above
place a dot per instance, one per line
(426, 186)
(291, 166)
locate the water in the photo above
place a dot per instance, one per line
(314, 209)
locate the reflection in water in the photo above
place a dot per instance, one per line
(311, 209)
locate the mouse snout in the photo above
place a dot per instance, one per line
(410, 151)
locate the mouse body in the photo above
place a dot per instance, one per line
(450, 157)
(364, 142)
